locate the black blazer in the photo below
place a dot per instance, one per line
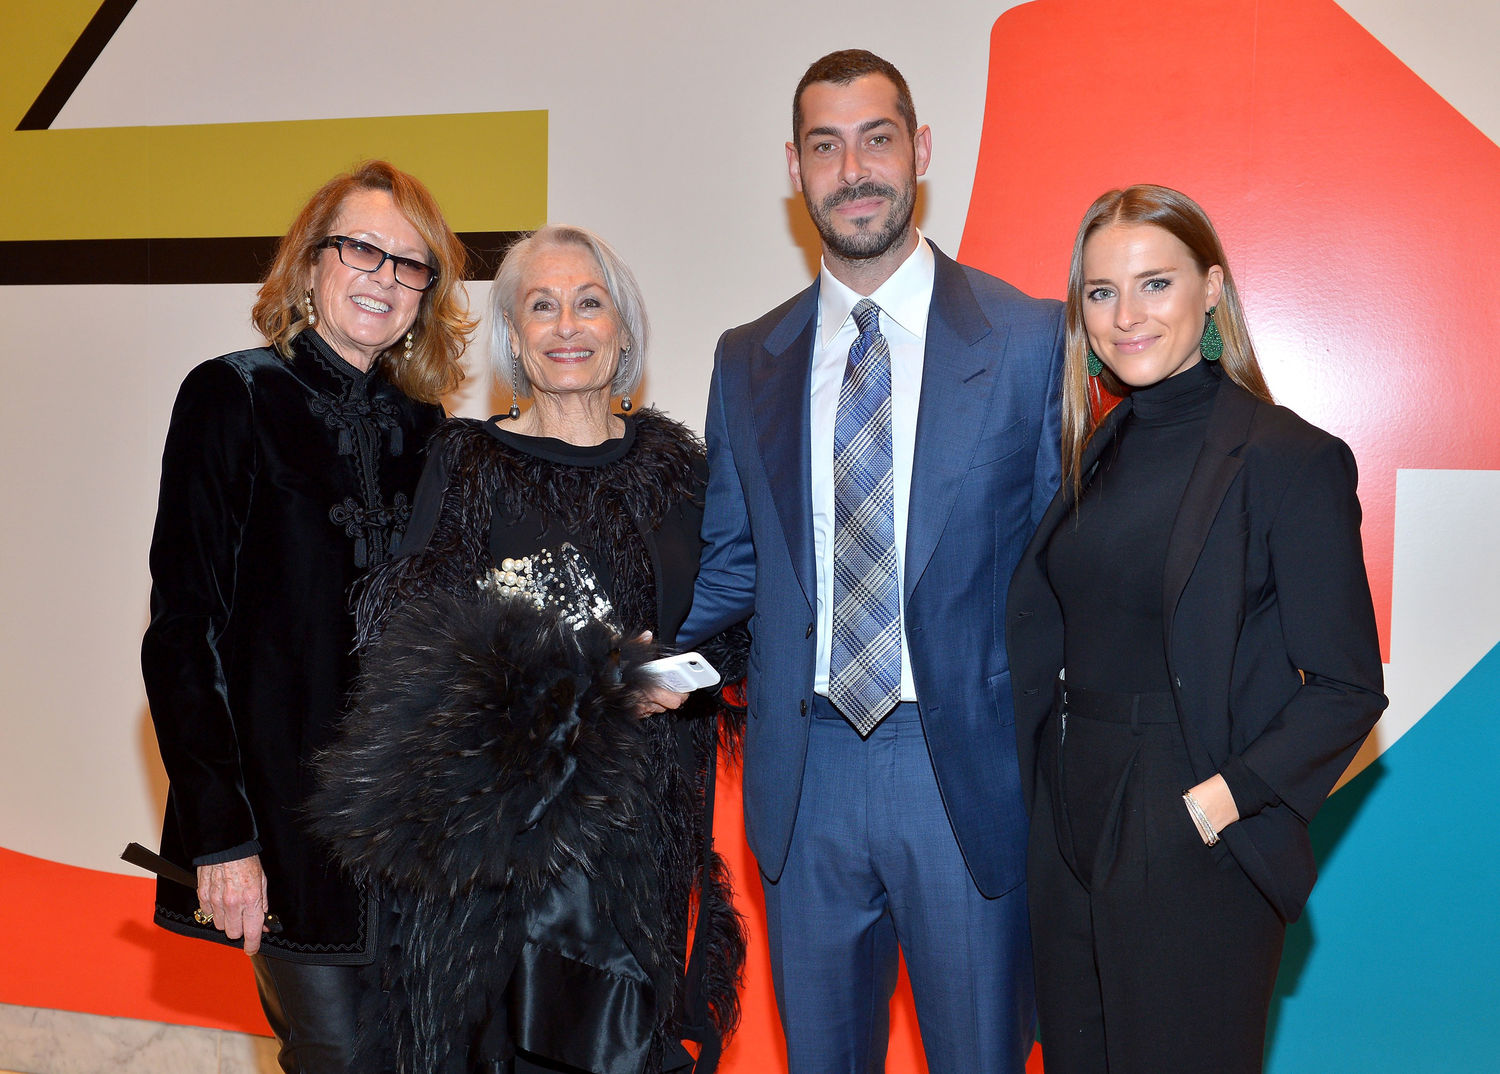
(1269, 627)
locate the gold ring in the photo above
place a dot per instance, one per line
(203, 918)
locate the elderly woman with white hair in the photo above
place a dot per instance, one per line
(535, 832)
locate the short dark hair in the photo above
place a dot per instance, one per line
(842, 68)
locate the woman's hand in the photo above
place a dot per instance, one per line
(233, 894)
(656, 699)
(1217, 803)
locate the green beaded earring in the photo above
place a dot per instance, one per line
(1212, 344)
(1095, 365)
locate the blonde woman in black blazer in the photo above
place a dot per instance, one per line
(1200, 577)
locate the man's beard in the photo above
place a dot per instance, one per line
(864, 243)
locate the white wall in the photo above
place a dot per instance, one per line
(667, 122)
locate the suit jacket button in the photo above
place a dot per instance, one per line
(810, 629)
(804, 706)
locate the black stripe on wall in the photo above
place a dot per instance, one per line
(96, 35)
(169, 261)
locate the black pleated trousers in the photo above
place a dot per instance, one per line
(1155, 954)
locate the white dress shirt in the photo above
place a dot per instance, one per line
(904, 300)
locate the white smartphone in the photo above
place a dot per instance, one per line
(684, 672)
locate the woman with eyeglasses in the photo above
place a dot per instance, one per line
(288, 471)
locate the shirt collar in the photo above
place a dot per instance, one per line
(904, 298)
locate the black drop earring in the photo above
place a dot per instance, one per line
(624, 366)
(515, 406)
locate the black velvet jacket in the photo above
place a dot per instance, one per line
(282, 481)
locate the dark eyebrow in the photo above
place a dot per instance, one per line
(864, 128)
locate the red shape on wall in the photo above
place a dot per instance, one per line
(1357, 207)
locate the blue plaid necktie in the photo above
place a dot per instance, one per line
(864, 670)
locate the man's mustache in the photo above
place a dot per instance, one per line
(858, 192)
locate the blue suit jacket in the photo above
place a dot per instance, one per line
(984, 470)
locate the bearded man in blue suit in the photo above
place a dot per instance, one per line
(881, 448)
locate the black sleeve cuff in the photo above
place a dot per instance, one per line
(244, 850)
(1251, 793)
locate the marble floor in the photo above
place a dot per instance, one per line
(39, 1041)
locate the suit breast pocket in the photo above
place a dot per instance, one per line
(998, 446)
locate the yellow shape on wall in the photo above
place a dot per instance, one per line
(487, 169)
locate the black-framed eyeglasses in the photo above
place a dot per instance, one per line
(363, 257)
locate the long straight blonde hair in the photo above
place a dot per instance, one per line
(1083, 405)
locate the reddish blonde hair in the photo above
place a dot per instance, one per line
(442, 326)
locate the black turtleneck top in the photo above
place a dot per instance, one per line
(1106, 562)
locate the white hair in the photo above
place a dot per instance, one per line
(619, 281)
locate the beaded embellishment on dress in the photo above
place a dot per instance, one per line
(557, 579)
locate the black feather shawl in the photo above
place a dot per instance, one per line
(495, 785)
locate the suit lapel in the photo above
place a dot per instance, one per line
(957, 379)
(1213, 473)
(780, 394)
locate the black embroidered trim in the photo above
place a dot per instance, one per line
(348, 413)
(361, 420)
(372, 527)
(185, 925)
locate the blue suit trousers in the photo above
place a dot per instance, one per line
(874, 867)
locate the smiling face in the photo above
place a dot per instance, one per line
(1144, 299)
(362, 314)
(565, 323)
(856, 166)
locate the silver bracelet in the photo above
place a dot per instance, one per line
(1205, 830)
